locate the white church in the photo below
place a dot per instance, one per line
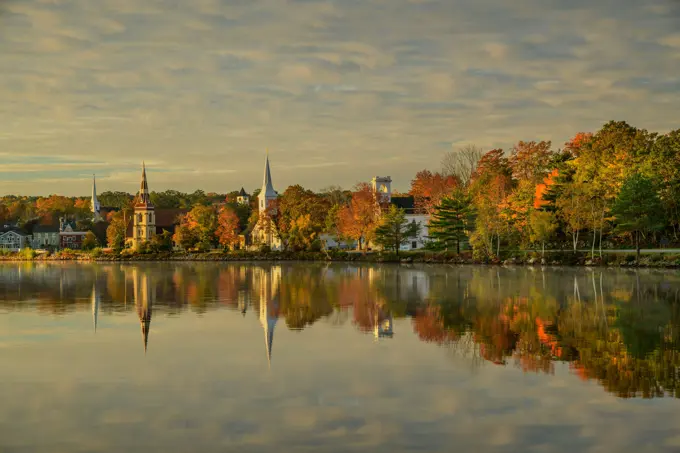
(264, 232)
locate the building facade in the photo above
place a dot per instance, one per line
(69, 236)
(144, 221)
(45, 237)
(13, 239)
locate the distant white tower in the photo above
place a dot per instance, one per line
(383, 186)
(95, 207)
(267, 194)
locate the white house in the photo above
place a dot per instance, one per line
(13, 240)
(383, 186)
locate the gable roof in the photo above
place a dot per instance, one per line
(242, 193)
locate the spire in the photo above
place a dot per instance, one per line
(144, 198)
(95, 306)
(267, 186)
(94, 203)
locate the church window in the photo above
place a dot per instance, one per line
(139, 218)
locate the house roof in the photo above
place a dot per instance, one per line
(4, 231)
(45, 229)
(406, 203)
(242, 193)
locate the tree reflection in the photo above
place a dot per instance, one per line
(618, 328)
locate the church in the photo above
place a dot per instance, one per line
(264, 233)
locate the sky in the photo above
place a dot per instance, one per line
(338, 91)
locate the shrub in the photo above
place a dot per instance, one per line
(27, 254)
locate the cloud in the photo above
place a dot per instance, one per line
(213, 83)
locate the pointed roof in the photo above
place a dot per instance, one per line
(144, 197)
(243, 193)
(267, 185)
(95, 206)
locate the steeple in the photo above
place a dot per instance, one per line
(94, 203)
(267, 186)
(144, 198)
(267, 194)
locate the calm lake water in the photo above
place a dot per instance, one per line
(207, 357)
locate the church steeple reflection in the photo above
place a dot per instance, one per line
(145, 296)
(96, 300)
(269, 306)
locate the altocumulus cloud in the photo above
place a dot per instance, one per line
(197, 87)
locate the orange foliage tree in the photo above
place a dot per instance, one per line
(227, 227)
(429, 188)
(359, 219)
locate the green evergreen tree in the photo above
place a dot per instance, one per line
(394, 230)
(637, 209)
(453, 220)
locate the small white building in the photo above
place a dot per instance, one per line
(243, 197)
(13, 240)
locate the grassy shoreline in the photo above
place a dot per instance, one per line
(565, 258)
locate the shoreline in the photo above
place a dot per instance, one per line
(578, 259)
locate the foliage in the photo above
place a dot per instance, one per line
(90, 241)
(115, 233)
(429, 188)
(227, 228)
(394, 230)
(637, 208)
(453, 220)
(359, 219)
(543, 225)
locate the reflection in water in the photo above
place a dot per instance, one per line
(617, 328)
(96, 300)
(145, 295)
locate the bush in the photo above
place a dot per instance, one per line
(27, 254)
(96, 252)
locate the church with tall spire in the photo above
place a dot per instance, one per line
(264, 233)
(144, 222)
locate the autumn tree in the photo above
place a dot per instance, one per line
(197, 228)
(115, 233)
(490, 186)
(394, 230)
(301, 217)
(637, 209)
(359, 219)
(543, 225)
(90, 241)
(530, 161)
(227, 228)
(429, 188)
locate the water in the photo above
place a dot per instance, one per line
(324, 358)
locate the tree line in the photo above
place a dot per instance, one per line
(619, 186)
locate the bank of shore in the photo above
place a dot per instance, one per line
(563, 258)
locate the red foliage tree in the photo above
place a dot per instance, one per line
(227, 227)
(429, 188)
